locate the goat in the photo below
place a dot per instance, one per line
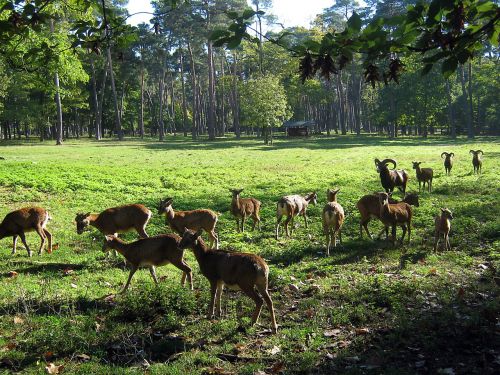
(27, 219)
(423, 175)
(448, 161)
(179, 221)
(291, 206)
(150, 252)
(391, 178)
(333, 219)
(443, 226)
(395, 214)
(477, 163)
(243, 271)
(369, 207)
(244, 207)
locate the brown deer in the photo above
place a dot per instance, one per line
(241, 208)
(397, 214)
(448, 161)
(333, 219)
(391, 178)
(291, 206)
(243, 271)
(443, 226)
(27, 219)
(424, 175)
(151, 252)
(477, 163)
(179, 221)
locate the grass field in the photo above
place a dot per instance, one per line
(368, 308)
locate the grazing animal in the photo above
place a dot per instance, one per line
(477, 163)
(424, 175)
(443, 226)
(448, 161)
(179, 221)
(391, 178)
(241, 208)
(243, 271)
(333, 219)
(369, 207)
(27, 219)
(151, 252)
(397, 214)
(291, 206)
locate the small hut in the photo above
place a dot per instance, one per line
(299, 128)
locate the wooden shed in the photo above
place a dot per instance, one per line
(299, 128)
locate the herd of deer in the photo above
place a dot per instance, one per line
(245, 271)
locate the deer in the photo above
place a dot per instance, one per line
(151, 252)
(391, 178)
(194, 219)
(241, 208)
(245, 271)
(477, 163)
(369, 207)
(18, 222)
(443, 226)
(424, 175)
(397, 214)
(448, 161)
(333, 219)
(291, 206)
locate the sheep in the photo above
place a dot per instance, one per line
(194, 219)
(151, 252)
(391, 178)
(244, 207)
(448, 161)
(369, 207)
(394, 215)
(443, 226)
(243, 271)
(333, 219)
(27, 219)
(477, 163)
(291, 206)
(423, 175)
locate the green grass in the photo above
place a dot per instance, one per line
(368, 308)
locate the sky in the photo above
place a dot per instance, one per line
(289, 12)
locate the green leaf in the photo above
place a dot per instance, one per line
(354, 22)
(427, 68)
(218, 33)
(449, 66)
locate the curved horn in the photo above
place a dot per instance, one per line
(452, 154)
(479, 151)
(472, 152)
(385, 161)
(445, 153)
(377, 162)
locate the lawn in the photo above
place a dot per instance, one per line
(368, 308)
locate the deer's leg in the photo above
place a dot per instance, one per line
(14, 244)
(394, 234)
(409, 232)
(153, 274)
(305, 218)
(23, 238)
(142, 231)
(218, 297)
(243, 218)
(286, 225)
(41, 233)
(186, 272)
(49, 237)
(269, 302)
(237, 225)
(278, 221)
(214, 238)
(250, 292)
(211, 306)
(403, 227)
(448, 245)
(328, 241)
(132, 271)
(436, 241)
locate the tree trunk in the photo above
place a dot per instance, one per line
(118, 125)
(100, 105)
(57, 98)
(453, 132)
(97, 124)
(184, 104)
(211, 94)
(161, 88)
(470, 130)
(141, 109)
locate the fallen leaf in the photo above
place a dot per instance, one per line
(362, 331)
(275, 350)
(344, 344)
(331, 333)
(310, 313)
(293, 287)
(18, 320)
(74, 285)
(12, 274)
(259, 372)
(68, 271)
(53, 369)
(83, 357)
(432, 272)
(48, 355)
(330, 356)
(55, 246)
(277, 368)
(483, 266)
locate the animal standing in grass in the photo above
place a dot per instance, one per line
(17, 223)
(151, 252)
(243, 271)
(448, 161)
(291, 206)
(179, 221)
(241, 208)
(391, 178)
(397, 214)
(477, 163)
(424, 175)
(369, 207)
(333, 219)
(443, 227)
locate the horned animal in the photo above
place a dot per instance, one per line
(443, 226)
(291, 206)
(424, 175)
(243, 271)
(179, 221)
(397, 214)
(477, 163)
(151, 252)
(17, 223)
(391, 178)
(369, 207)
(241, 208)
(333, 219)
(448, 161)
